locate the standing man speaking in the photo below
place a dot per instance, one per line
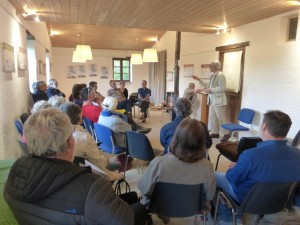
(216, 100)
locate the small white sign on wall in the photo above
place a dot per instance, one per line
(188, 70)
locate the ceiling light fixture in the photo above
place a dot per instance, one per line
(82, 53)
(37, 19)
(136, 58)
(150, 54)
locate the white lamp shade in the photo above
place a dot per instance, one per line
(77, 58)
(85, 51)
(150, 55)
(136, 59)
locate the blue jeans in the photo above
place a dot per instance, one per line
(224, 183)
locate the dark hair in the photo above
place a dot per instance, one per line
(278, 123)
(92, 84)
(188, 142)
(76, 90)
(84, 93)
(183, 107)
(72, 110)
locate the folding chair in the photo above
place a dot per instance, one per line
(178, 200)
(264, 198)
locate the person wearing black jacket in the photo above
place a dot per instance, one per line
(47, 188)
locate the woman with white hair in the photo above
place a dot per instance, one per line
(40, 93)
(110, 119)
(53, 90)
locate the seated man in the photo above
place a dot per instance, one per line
(46, 188)
(183, 109)
(40, 93)
(53, 90)
(123, 103)
(144, 94)
(272, 160)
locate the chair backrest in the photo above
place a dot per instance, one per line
(19, 127)
(139, 146)
(268, 197)
(246, 143)
(296, 140)
(105, 137)
(177, 200)
(24, 148)
(133, 98)
(246, 115)
(88, 125)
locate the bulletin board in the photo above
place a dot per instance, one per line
(232, 70)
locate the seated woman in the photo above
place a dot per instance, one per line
(185, 165)
(85, 145)
(183, 109)
(89, 110)
(110, 119)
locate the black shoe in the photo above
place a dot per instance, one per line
(165, 219)
(213, 135)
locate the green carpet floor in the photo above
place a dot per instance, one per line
(6, 216)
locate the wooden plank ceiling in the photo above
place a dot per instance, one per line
(116, 24)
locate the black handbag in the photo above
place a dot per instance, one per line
(128, 196)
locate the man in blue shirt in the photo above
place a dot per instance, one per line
(270, 161)
(144, 94)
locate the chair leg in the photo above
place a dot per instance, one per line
(217, 208)
(217, 163)
(126, 166)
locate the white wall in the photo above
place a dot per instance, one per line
(15, 96)
(272, 68)
(62, 58)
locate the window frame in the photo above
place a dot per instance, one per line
(289, 28)
(121, 69)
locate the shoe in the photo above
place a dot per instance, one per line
(143, 120)
(165, 219)
(213, 135)
(143, 130)
(225, 138)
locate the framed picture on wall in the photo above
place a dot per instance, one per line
(22, 59)
(188, 70)
(104, 72)
(41, 67)
(44, 69)
(8, 58)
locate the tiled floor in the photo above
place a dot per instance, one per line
(156, 121)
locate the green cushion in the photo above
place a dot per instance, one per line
(7, 216)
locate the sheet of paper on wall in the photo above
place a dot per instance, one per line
(188, 70)
(205, 71)
(232, 70)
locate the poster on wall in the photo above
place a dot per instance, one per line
(205, 71)
(71, 71)
(22, 59)
(188, 70)
(232, 70)
(93, 70)
(8, 58)
(169, 76)
(41, 67)
(104, 72)
(81, 71)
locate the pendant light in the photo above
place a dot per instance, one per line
(82, 53)
(136, 58)
(150, 55)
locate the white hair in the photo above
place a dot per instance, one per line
(56, 100)
(216, 64)
(47, 132)
(42, 104)
(110, 103)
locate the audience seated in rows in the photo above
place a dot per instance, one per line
(40, 93)
(85, 145)
(123, 103)
(271, 161)
(144, 94)
(186, 164)
(53, 90)
(89, 110)
(183, 109)
(75, 195)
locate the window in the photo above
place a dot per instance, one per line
(292, 28)
(121, 68)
